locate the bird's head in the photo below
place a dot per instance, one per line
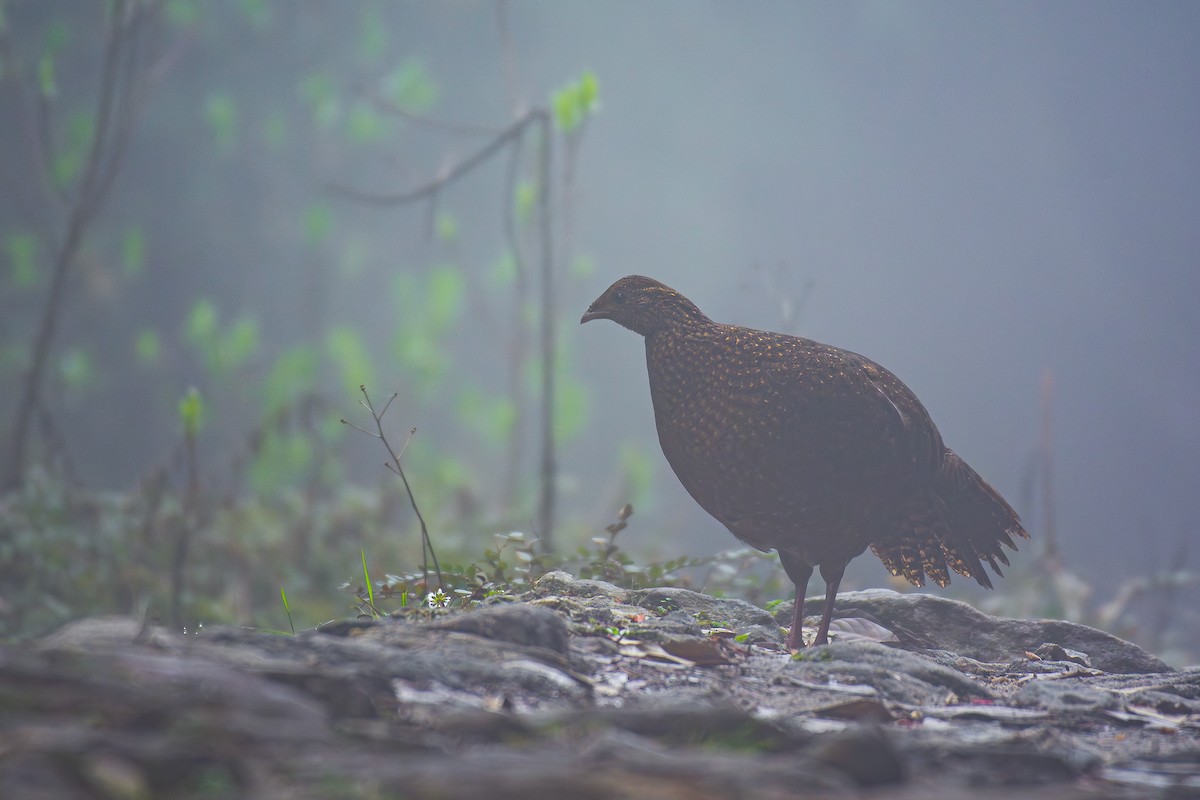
(644, 306)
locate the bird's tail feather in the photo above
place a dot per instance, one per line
(962, 523)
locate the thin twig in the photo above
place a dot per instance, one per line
(427, 550)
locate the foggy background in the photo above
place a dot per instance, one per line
(974, 195)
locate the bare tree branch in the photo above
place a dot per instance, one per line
(453, 173)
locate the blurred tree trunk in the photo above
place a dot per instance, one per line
(122, 89)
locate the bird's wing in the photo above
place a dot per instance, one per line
(853, 410)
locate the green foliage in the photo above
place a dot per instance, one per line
(575, 102)
(447, 228)
(410, 87)
(146, 346)
(287, 609)
(318, 221)
(429, 307)
(572, 403)
(283, 460)
(67, 162)
(444, 296)
(257, 13)
(492, 416)
(348, 352)
(373, 38)
(22, 257)
(502, 273)
(419, 354)
(182, 13)
(364, 125)
(202, 322)
(46, 81)
(76, 368)
(292, 374)
(367, 577)
(526, 196)
(191, 413)
(223, 351)
(221, 113)
(133, 252)
(57, 36)
(319, 91)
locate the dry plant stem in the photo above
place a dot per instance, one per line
(427, 551)
(187, 526)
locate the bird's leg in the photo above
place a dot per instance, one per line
(832, 575)
(799, 571)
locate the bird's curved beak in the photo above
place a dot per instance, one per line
(593, 313)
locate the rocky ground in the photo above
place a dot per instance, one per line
(583, 690)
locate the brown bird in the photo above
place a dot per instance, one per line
(808, 449)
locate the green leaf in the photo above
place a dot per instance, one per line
(239, 343)
(56, 36)
(571, 403)
(133, 251)
(46, 82)
(411, 88)
(373, 37)
(281, 461)
(191, 413)
(146, 346)
(574, 102)
(67, 163)
(582, 266)
(445, 294)
(22, 255)
(75, 368)
(589, 91)
(221, 113)
(447, 228)
(201, 325)
(420, 355)
(502, 272)
(526, 196)
(318, 221)
(346, 349)
(294, 373)
(491, 416)
(364, 124)
(318, 89)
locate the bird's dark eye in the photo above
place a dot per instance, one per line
(618, 297)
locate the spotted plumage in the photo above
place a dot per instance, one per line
(808, 449)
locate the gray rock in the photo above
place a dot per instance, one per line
(593, 691)
(930, 621)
